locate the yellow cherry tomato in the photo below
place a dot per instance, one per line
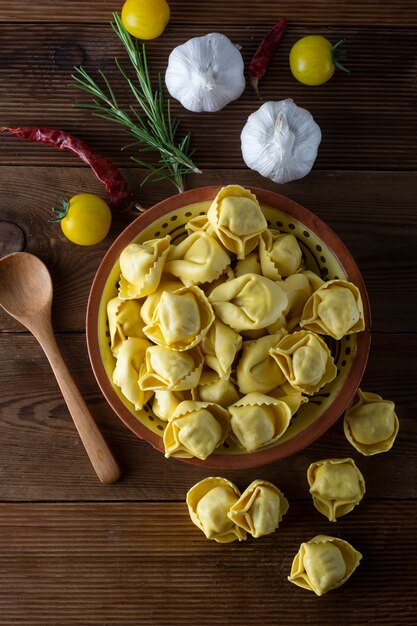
(313, 60)
(85, 219)
(145, 19)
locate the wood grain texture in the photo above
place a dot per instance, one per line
(368, 119)
(372, 12)
(42, 458)
(147, 564)
(73, 552)
(368, 210)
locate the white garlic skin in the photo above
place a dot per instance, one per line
(280, 141)
(205, 73)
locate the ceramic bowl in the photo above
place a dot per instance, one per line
(323, 252)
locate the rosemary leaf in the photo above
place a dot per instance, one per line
(149, 122)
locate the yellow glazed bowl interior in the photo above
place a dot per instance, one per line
(323, 253)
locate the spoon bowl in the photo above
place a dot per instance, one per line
(25, 286)
(26, 294)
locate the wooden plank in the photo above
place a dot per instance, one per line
(42, 458)
(369, 210)
(368, 119)
(147, 564)
(320, 13)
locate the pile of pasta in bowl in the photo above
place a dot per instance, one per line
(225, 334)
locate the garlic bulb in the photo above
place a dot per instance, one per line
(205, 73)
(280, 141)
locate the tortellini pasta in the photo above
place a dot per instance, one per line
(249, 265)
(197, 259)
(335, 309)
(199, 223)
(169, 369)
(124, 321)
(278, 326)
(165, 402)
(196, 429)
(305, 360)
(237, 219)
(228, 274)
(209, 502)
(249, 302)
(141, 266)
(286, 393)
(257, 370)
(324, 563)
(130, 359)
(370, 423)
(298, 290)
(258, 420)
(259, 509)
(212, 388)
(314, 280)
(217, 507)
(220, 347)
(150, 304)
(181, 319)
(336, 485)
(279, 254)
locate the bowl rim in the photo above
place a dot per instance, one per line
(312, 432)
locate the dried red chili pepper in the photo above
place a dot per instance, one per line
(114, 182)
(264, 53)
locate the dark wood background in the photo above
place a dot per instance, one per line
(75, 552)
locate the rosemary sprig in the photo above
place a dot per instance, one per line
(152, 125)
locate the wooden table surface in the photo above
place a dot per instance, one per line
(73, 551)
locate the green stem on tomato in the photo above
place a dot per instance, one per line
(338, 55)
(60, 212)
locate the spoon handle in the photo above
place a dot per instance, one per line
(97, 449)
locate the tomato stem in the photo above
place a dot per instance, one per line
(60, 211)
(338, 55)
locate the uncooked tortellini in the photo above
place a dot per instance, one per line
(314, 280)
(335, 309)
(124, 321)
(336, 485)
(199, 223)
(279, 254)
(259, 420)
(257, 370)
(199, 258)
(305, 361)
(259, 509)
(249, 302)
(370, 423)
(209, 502)
(286, 393)
(220, 347)
(181, 319)
(149, 306)
(298, 290)
(212, 388)
(165, 402)
(141, 266)
(130, 358)
(169, 369)
(228, 274)
(237, 219)
(324, 563)
(249, 265)
(196, 429)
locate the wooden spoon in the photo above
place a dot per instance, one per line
(26, 294)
